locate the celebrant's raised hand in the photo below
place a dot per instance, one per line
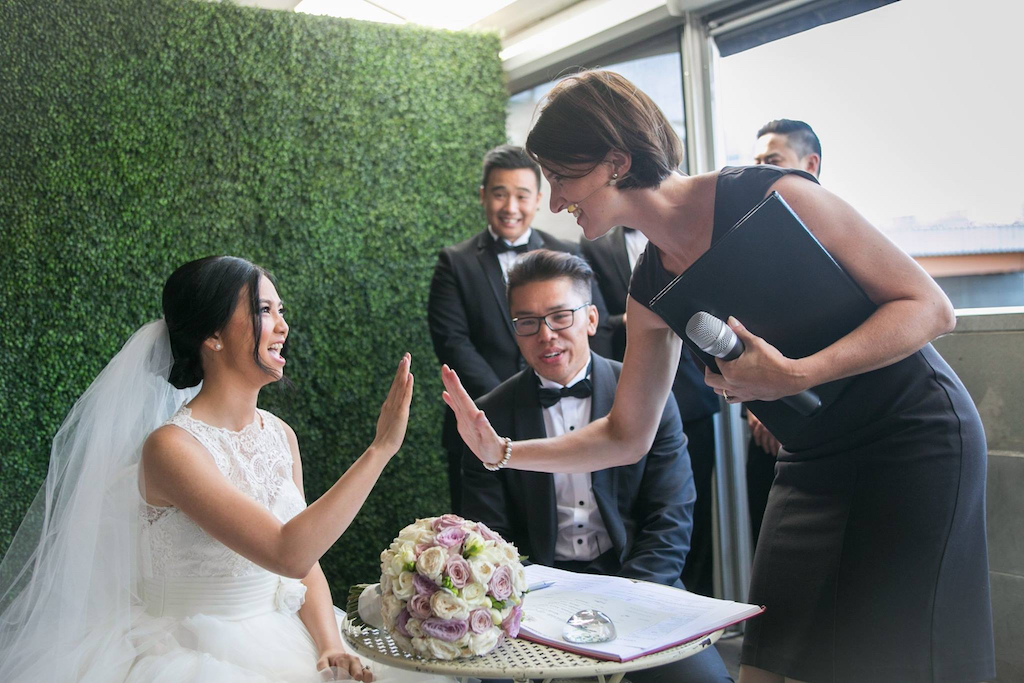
(760, 373)
(394, 414)
(474, 428)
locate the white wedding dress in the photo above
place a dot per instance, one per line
(209, 614)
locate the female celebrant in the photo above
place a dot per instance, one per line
(872, 559)
(171, 540)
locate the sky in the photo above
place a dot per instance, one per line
(919, 106)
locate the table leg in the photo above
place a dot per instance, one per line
(614, 678)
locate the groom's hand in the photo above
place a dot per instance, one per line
(474, 427)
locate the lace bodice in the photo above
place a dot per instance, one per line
(258, 462)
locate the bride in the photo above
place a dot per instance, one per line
(171, 540)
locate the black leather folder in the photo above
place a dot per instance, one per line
(772, 274)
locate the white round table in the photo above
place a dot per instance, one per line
(517, 659)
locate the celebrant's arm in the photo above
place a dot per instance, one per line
(317, 612)
(620, 438)
(179, 472)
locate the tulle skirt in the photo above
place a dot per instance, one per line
(227, 630)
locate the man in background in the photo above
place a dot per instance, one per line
(787, 144)
(467, 311)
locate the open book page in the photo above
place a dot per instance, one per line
(648, 617)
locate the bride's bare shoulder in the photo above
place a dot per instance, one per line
(170, 441)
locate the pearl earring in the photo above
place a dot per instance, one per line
(614, 180)
(217, 347)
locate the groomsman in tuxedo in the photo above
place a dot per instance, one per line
(613, 258)
(631, 521)
(466, 311)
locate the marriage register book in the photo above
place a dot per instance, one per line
(771, 274)
(648, 617)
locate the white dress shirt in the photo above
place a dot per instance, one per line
(507, 258)
(581, 532)
(636, 242)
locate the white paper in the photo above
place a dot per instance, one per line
(648, 617)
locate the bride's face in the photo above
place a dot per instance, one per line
(237, 337)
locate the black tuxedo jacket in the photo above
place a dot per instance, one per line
(647, 507)
(470, 325)
(609, 258)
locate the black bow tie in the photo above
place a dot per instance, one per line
(549, 397)
(501, 246)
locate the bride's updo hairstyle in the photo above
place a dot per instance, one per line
(199, 299)
(592, 113)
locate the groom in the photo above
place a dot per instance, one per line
(632, 521)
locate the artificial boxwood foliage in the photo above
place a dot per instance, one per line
(136, 135)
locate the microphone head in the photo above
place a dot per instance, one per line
(710, 334)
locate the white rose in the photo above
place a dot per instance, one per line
(419, 644)
(402, 556)
(482, 643)
(291, 594)
(417, 535)
(491, 553)
(404, 587)
(475, 595)
(473, 538)
(439, 649)
(431, 562)
(413, 626)
(385, 559)
(386, 584)
(482, 570)
(447, 606)
(511, 552)
(519, 578)
(390, 608)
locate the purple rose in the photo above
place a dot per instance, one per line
(419, 606)
(511, 623)
(480, 620)
(486, 533)
(400, 622)
(458, 571)
(445, 521)
(423, 585)
(501, 582)
(450, 537)
(448, 630)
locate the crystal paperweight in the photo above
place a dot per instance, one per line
(589, 626)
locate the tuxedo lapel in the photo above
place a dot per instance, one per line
(621, 255)
(604, 483)
(492, 271)
(541, 513)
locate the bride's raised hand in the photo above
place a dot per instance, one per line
(346, 666)
(394, 414)
(474, 428)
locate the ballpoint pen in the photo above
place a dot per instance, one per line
(538, 586)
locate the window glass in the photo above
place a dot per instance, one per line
(654, 67)
(917, 105)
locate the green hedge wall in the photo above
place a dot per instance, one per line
(136, 135)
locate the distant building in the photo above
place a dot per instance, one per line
(978, 266)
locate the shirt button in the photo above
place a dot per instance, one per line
(580, 541)
(571, 428)
(581, 503)
(579, 526)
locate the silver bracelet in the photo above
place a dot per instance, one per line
(504, 461)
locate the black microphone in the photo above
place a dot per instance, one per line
(716, 338)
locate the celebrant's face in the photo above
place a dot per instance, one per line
(588, 198)
(510, 201)
(237, 336)
(557, 355)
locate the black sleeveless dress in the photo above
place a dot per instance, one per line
(872, 560)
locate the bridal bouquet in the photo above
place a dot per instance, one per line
(450, 588)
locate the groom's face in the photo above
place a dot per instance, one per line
(557, 355)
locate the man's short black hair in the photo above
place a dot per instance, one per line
(541, 265)
(801, 136)
(510, 157)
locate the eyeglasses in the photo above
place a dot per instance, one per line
(556, 320)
